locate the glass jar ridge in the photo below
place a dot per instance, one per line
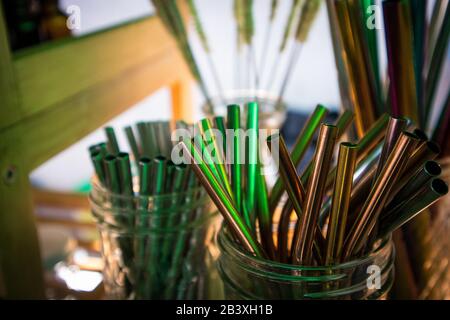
(248, 277)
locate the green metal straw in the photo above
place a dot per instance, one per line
(112, 175)
(220, 124)
(126, 182)
(113, 146)
(264, 214)
(159, 174)
(211, 140)
(234, 123)
(251, 157)
(133, 143)
(232, 217)
(97, 161)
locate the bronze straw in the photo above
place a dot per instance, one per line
(368, 216)
(306, 227)
(340, 202)
(395, 127)
(289, 175)
(295, 190)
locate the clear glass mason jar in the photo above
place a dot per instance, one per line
(272, 113)
(247, 277)
(157, 247)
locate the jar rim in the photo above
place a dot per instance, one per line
(234, 96)
(102, 203)
(101, 190)
(226, 243)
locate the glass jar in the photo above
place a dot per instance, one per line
(272, 113)
(157, 247)
(247, 277)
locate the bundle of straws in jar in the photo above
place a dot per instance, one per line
(251, 71)
(413, 37)
(153, 212)
(340, 210)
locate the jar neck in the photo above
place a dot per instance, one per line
(334, 281)
(162, 213)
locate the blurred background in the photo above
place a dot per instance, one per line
(313, 80)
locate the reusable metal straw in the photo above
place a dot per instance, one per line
(300, 147)
(264, 214)
(411, 183)
(308, 14)
(340, 202)
(251, 157)
(395, 127)
(360, 92)
(365, 146)
(399, 42)
(97, 160)
(112, 175)
(234, 124)
(206, 47)
(171, 17)
(210, 138)
(265, 49)
(366, 220)
(208, 159)
(399, 215)
(220, 124)
(159, 175)
(289, 176)
(436, 63)
(223, 203)
(126, 182)
(302, 248)
(113, 146)
(133, 143)
(287, 33)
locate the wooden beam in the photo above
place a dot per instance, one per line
(19, 246)
(50, 76)
(60, 199)
(45, 134)
(20, 263)
(9, 105)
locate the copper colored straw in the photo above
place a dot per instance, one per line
(306, 226)
(289, 176)
(395, 127)
(368, 216)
